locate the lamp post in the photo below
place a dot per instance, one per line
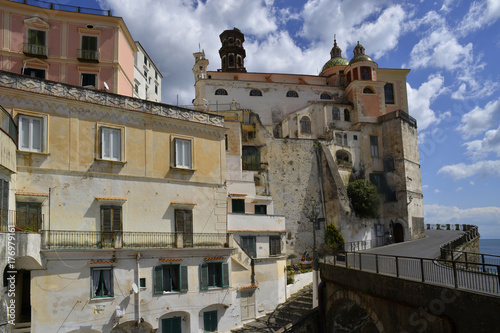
(313, 217)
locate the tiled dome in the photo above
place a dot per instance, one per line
(360, 57)
(339, 61)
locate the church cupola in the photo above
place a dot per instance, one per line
(335, 60)
(359, 54)
(232, 53)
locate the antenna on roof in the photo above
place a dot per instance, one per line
(199, 47)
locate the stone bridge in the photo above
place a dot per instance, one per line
(352, 300)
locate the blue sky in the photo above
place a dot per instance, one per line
(451, 47)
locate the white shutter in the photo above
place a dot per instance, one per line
(37, 134)
(24, 133)
(116, 144)
(105, 142)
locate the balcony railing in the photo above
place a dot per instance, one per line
(88, 55)
(21, 221)
(68, 239)
(7, 124)
(36, 50)
(344, 164)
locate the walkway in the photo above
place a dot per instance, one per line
(428, 247)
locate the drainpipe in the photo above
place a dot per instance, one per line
(137, 296)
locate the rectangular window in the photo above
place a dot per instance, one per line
(249, 245)
(238, 206)
(156, 75)
(31, 133)
(36, 43)
(247, 304)
(36, 37)
(171, 325)
(170, 278)
(111, 217)
(184, 225)
(136, 88)
(210, 321)
(102, 282)
(145, 60)
(183, 154)
(89, 80)
(374, 145)
(156, 89)
(366, 73)
(111, 144)
(274, 245)
(261, 209)
(378, 179)
(34, 72)
(89, 43)
(142, 282)
(89, 51)
(145, 74)
(251, 158)
(389, 93)
(214, 275)
(29, 216)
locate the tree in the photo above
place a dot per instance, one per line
(364, 198)
(333, 238)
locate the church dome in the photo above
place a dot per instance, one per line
(339, 61)
(359, 55)
(336, 57)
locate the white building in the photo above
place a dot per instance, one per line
(147, 77)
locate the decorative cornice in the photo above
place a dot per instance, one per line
(51, 88)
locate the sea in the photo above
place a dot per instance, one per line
(490, 246)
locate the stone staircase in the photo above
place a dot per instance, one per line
(21, 328)
(285, 316)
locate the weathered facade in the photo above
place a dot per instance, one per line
(313, 134)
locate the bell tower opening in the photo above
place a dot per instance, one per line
(232, 53)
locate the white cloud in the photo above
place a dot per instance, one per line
(419, 101)
(479, 120)
(481, 14)
(425, 186)
(490, 143)
(440, 47)
(479, 169)
(484, 217)
(437, 191)
(459, 189)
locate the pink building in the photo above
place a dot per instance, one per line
(90, 50)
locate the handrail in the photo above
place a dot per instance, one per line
(456, 274)
(68, 8)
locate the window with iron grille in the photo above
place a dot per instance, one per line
(274, 245)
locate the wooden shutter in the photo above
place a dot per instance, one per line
(179, 220)
(225, 275)
(188, 221)
(183, 278)
(158, 279)
(117, 218)
(106, 218)
(204, 276)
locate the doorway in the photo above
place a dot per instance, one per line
(399, 233)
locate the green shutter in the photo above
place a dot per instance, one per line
(225, 275)
(117, 218)
(158, 279)
(176, 325)
(183, 272)
(210, 321)
(204, 276)
(106, 219)
(179, 220)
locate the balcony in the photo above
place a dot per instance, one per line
(68, 239)
(35, 50)
(255, 223)
(88, 55)
(344, 164)
(21, 221)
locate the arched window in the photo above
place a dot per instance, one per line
(368, 90)
(347, 115)
(305, 125)
(221, 92)
(239, 61)
(231, 41)
(335, 113)
(325, 96)
(255, 92)
(343, 159)
(292, 93)
(230, 60)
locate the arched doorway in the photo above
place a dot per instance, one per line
(399, 233)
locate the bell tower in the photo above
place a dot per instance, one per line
(232, 53)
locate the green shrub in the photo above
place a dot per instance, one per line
(333, 238)
(364, 198)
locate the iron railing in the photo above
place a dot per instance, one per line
(69, 239)
(448, 273)
(365, 244)
(88, 55)
(20, 221)
(471, 232)
(68, 8)
(8, 125)
(35, 50)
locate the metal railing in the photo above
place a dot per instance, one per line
(471, 232)
(68, 8)
(365, 244)
(8, 125)
(69, 239)
(344, 164)
(35, 50)
(20, 221)
(88, 55)
(448, 273)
